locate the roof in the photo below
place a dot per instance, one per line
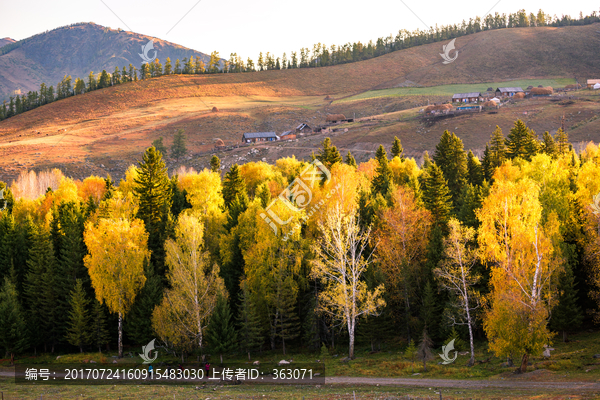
(510, 89)
(302, 126)
(466, 95)
(254, 135)
(593, 81)
(286, 133)
(335, 117)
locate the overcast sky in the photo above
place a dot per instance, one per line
(248, 27)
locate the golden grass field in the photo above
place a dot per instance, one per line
(107, 130)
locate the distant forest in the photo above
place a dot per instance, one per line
(320, 56)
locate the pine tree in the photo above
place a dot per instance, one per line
(451, 158)
(178, 148)
(383, 179)
(548, 146)
(14, 337)
(264, 194)
(221, 332)
(138, 324)
(159, 146)
(474, 170)
(436, 196)
(215, 164)
(350, 160)
(78, 333)
(153, 189)
(179, 198)
(397, 149)
(250, 332)
(495, 153)
(287, 321)
(233, 185)
(469, 202)
(99, 333)
(328, 154)
(566, 315)
(430, 314)
(562, 141)
(521, 142)
(426, 160)
(104, 81)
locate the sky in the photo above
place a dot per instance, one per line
(250, 27)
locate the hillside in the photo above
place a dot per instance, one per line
(5, 41)
(106, 130)
(76, 50)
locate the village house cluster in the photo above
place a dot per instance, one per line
(301, 130)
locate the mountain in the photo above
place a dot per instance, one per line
(6, 41)
(106, 130)
(75, 50)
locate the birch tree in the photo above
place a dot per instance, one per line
(117, 250)
(185, 310)
(522, 252)
(340, 263)
(457, 276)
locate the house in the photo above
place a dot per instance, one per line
(592, 82)
(303, 129)
(468, 108)
(508, 91)
(472, 97)
(287, 135)
(254, 137)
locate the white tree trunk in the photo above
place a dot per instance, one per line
(120, 335)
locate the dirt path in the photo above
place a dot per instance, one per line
(465, 384)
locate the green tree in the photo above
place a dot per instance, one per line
(474, 170)
(436, 196)
(178, 149)
(424, 352)
(328, 154)
(562, 141)
(177, 69)
(548, 146)
(350, 160)
(215, 164)
(14, 337)
(138, 324)
(521, 142)
(221, 331)
(78, 333)
(495, 155)
(99, 333)
(397, 150)
(104, 80)
(233, 185)
(450, 156)
(382, 181)
(264, 194)
(153, 190)
(566, 315)
(159, 145)
(250, 330)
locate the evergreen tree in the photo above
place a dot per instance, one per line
(562, 141)
(566, 315)
(153, 189)
(221, 333)
(159, 146)
(426, 160)
(521, 142)
(350, 160)
(424, 352)
(14, 337)
(383, 179)
(138, 325)
(215, 164)
(469, 202)
(436, 196)
(237, 207)
(178, 148)
(264, 194)
(328, 154)
(548, 146)
(179, 198)
(78, 333)
(495, 153)
(430, 314)
(397, 149)
(287, 323)
(451, 158)
(99, 335)
(104, 81)
(250, 330)
(233, 185)
(474, 170)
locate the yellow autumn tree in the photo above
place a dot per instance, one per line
(117, 250)
(186, 307)
(342, 259)
(523, 255)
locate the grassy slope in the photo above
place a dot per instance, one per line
(118, 123)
